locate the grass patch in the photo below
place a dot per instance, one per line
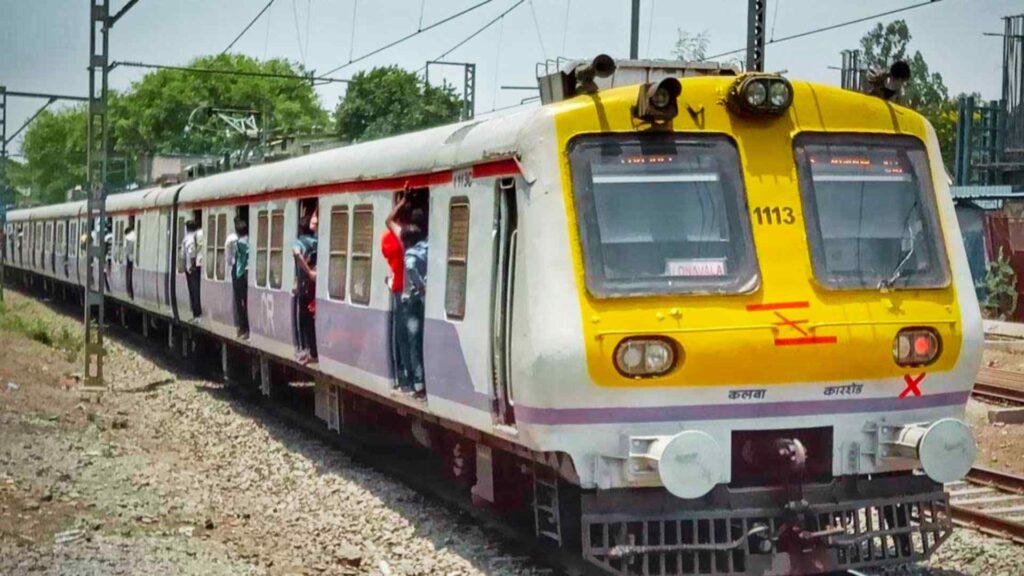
(18, 318)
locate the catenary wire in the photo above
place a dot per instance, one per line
(831, 27)
(298, 33)
(352, 36)
(249, 25)
(481, 29)
(565, 25)
(775, 18)
(536, 26)
(375, 51)
(650, 29)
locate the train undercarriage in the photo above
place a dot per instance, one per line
(774, 525)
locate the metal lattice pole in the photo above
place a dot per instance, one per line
(3, 186)
(755, 35)
(99, 24)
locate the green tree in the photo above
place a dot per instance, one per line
(389, 100)
(692, 47)
(925, 91)
(54, 149)
(151, 117)
(154, 113)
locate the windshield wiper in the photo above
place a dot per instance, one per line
(887, 283)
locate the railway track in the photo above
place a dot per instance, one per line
(1003, 386)
(991, 502)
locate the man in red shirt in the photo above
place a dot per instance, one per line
(393, 251)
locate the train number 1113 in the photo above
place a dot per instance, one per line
(774, 215)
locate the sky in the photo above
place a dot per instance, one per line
(44, 44)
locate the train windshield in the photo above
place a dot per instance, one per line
(870, 212)
(662, 214)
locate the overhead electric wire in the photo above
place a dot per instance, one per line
(352, 35)
(565, 25)
(481, 29)
(827, 28)
(308, 78)
(352, 61)
(536, 26)
(650, 27)
(775, 18)
(247, 26)
(298, 34)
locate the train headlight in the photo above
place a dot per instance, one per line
(755, 94)
(760, 95)
(656, 101)
(916, 347)
(644, 357)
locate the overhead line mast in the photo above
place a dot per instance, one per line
(100, 24)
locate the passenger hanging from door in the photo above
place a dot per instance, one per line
(305, 252)
(240, 276)
(192, 248)
(129, 257)
(414, 238)
(393, 252)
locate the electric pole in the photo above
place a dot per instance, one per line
(3, 186)
(755, 35)
(634, 32)
(100, 23)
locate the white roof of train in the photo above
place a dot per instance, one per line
(432, 150)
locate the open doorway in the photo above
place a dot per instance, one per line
(404, 246)
(237, 262)
(304, 251)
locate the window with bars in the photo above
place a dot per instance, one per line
(61, 239)
(221, 239)
(210, 237)
(181, 245)
(48, 241)
(276, 248)
(262, 240)
(458, 247)
(73, 239)
(362, 253)
(138, 240)
(118, 246)
(337, 267)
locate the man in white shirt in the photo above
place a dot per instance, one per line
(193, 265)
(229, 253)
(129, 259)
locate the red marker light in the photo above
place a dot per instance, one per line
(922, 345)
(916, 347)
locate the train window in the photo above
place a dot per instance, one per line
(222, 238)
(119, 241)
(337, 267)
(276, 248)
(870, 212)
(362, 253)
(210, 237)
(458, 247)
(662, 214)
(262, 239)
(73, 238)
(61, 239)
(181, 245)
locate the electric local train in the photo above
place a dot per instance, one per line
(713, 323)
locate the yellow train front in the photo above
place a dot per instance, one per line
(760, 361)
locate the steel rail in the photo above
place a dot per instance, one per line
(999, 385)
(987, 522)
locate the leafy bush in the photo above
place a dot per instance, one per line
(1001, 288)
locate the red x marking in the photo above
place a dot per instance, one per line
(912, 383)
(794, 324)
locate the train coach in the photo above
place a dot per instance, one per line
(704, 324)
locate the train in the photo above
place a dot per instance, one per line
(685, 320)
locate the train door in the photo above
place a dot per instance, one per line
(470, 267)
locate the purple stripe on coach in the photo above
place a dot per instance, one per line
(623, 415)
